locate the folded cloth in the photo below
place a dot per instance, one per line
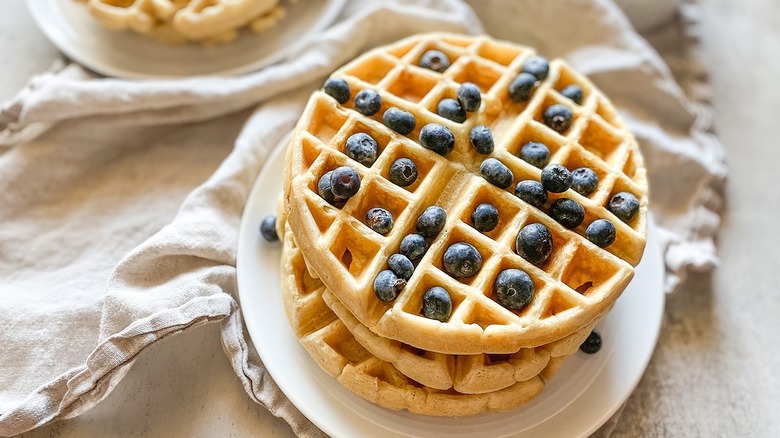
(121, 199)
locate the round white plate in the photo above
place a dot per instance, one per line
(69, 26)
(586, 391)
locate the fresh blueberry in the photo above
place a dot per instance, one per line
(532, 192)
(556, 178)
(601, 232)
(413, 246)
(482, 139)
(338, 89)
(368, 102)
(469, 97)
(325, 190)
(534, 243)
(268, 229)
(401, 266)
(400, 121)
(484, 218)
(514, 289)
(435, 60)
(379, 220)
(522, 87)
(387, 285)
(535, 153)
(431, 221)
(592, 344)
(403, 172)
(573, 92)
(624, 205)
(462, 260)
(437, 304)
(362, 148)
(496, 173)
(437, 138)
(537, 66)
(584, 181)
(344, 182)
(557, 117)
(450, 109)
(567, 212)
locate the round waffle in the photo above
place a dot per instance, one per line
(575, 286)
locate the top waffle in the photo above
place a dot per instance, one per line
(576, 284)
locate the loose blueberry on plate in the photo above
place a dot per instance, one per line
(534, 243)
(437, 138)
(451, 109)
(435, 60)
(537, 66)
(514, 289)
(338, 89)
(592, 344)
(268, 229)
(624, 205)
(482, 139)
(484, 218)
(522, 87)
(469, 97)
(379, 220)
(532, 192)
(325, 190)
(557, 117)
(344, 182)
(535, 153)
(368, 102)
(400, 121)
(573, 92)
(437, 304)
(496, 173)
(584, 181)
(403, 172)
(567, 212)
(401, 266)
(413, 246)
(462, 260)
(362, 148)
(556, 178)
(387, 285)
(431, 221)
(601, 232)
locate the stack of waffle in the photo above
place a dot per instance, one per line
(482, 355)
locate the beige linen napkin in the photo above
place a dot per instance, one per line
(120, 200)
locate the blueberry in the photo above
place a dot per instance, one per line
(362, 148)
(485, 217)
(624, 205)
(338, 89)
(601, 232)
(567, 212)
(537, 66)
(387, 285)
(450, 109)
(592, 344)
(400, 121)
(522, 87)
(344, 182)
(462, 260)
(268, 229)
(482, 139)
(437, 138)
(401, 266)
(535, 153)
(496, 173)
(379, 220)
(469, 97)
(413, 246)
(531, 192)
(435, 60)
(437, 304)
(534, 243)
(514, 289)
(584, 181)
(368, 102)
(557, 117)
(403, 172)
(431, 221)
(556, 178)
(325, 190)
(573, 92)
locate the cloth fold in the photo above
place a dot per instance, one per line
(121, 200)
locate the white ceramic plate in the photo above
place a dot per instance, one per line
(69, 26)
(583, 395)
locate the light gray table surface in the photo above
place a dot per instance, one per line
(714, 371)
